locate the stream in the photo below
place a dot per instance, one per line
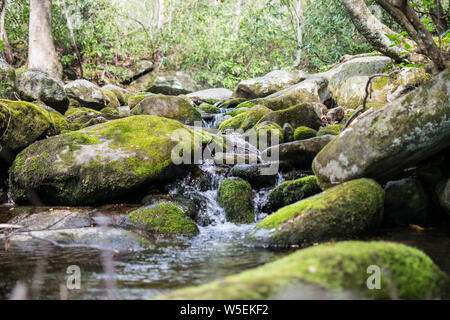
(169, 262)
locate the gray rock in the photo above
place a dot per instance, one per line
(36, 84)
(406, 202)
(336, 115)
(217, 94)
(400, 135)
(174, 83)
(298, 154)
(170, 107)
(85, 92)
(255, 175)
(266, 85)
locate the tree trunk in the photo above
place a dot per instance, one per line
(372, 29)
(3, 36)
(41, 51)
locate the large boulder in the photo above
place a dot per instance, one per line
(298, 154)
(176, 108)
(36, 84)
(235, 196)
(173, 83)
(266, 85)
(90, 95)
(335, 268)
(103, 163)
(255, 175)
(7, 80)
(313, 89)
(211, 95)
(346, 211)
(347, 81)
(121, 93)
(22, 123)
(398, 136)
(300, 115)
(163, 218)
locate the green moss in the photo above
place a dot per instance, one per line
(136, 99)
(247, 120)
(338, 268)
(303, 133)
(163, 218)
(81, 111)
(334, 129)
(346, 211)
(110, 99)
(292, 191)
(298, 115)
(110, 113)
(235, 196)
(209, 109)
(27, 123)
(235, 112)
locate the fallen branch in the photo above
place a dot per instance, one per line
(368, 90)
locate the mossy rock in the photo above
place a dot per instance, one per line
(110, 99)
(347, 211)
(334, 129)
(236, 112)
(400, 135)
(134, 100)
(209, 109)
(164, 218)
(303, 133)
(337, 268)
(103, 163)
(235, 196)
(299, 115)
(170, 107)
(110, 113)
(245, 120)
(121, 94)
(292, 191)
(231, 103)
(90, 95)
(24, 122)
(79, 118)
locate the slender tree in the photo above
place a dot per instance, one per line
(3, 36)
(41, 51)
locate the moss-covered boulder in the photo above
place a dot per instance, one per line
(235, 196)
(347, 211)
(121, 93)
(103, 163)
(90, 95)
(313, 89)
(303, 133)
(337, 268)
(169, 107)
(292, 191)
(209, 109)
(347, 81)
(334, 129)
(400, 135)
(164, 218)
(300, 115)
(245, 120)
(22, 123)
(298, 154)
(266, 85)
(36, 84)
